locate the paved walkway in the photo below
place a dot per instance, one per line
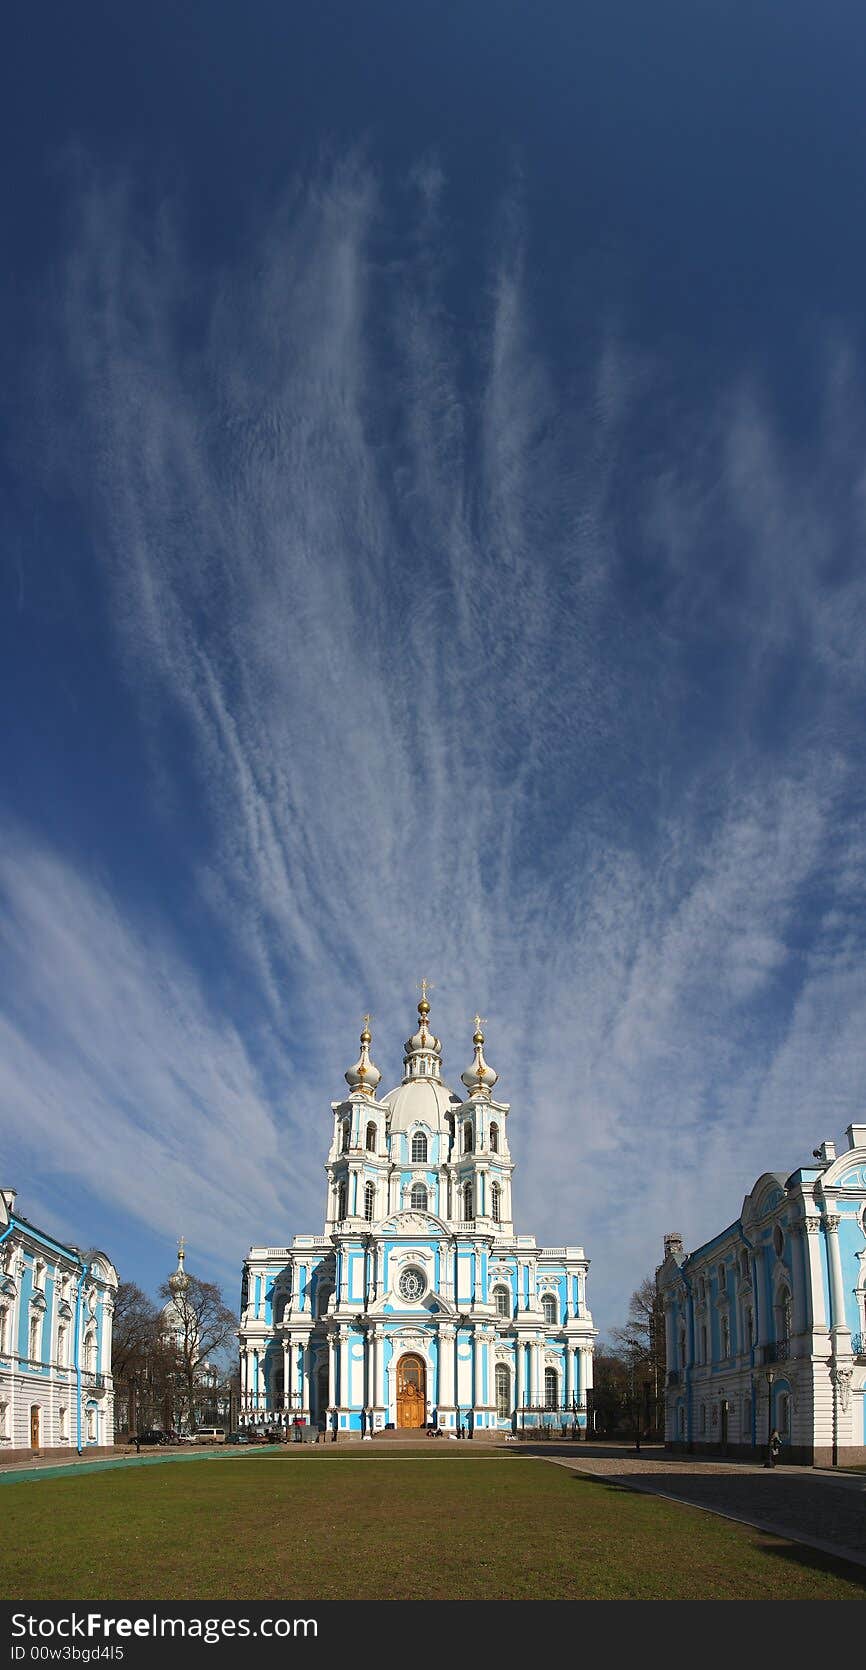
(825, 1510)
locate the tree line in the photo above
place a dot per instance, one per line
(175, 1364)
(628, 1398)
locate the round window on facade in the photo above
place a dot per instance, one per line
(412, 1285)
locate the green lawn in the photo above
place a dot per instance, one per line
(299, 1527)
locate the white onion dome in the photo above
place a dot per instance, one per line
(179, 1280)
(422, 1098)
(365, 1075)
(422, 1053)
(479, 1079)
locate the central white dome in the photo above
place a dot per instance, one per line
(425, 1101)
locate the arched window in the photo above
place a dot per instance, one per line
(323, 1294)
(341, 1201)
(418, 1197)
(345, 1135)
(467, 1201)
(419, 1146)
(494, 1138)
(682, 1348)
(467, 1138)
(495, 1202)
(726, 1337)
(371, 1138)
(503, 1301)
(369, 1201)
(722, 1275)
(783, 1315)
(503, 1391)
(551, 1389)
(90, 1353)
(549, 1308)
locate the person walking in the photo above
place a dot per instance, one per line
(773, 1449)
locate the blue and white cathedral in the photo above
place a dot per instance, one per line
(419, 1305)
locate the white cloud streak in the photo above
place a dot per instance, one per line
(467, 688)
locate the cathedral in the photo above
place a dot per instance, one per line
(418, 1306)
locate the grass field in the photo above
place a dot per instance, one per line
(294, 1527)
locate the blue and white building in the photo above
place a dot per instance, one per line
(56, 1310)
(766, 1323)
(418, 1304)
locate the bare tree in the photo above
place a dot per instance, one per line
(133, 1345)
(200, 1324)
(640, 1345)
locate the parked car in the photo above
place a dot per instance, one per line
(238, 1438)
(211, 1435)
(154, 1435)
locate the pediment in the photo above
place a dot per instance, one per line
(412, 1223)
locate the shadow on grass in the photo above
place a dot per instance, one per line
(763, 1504)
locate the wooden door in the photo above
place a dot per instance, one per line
(411, 1392)
(34, 1426)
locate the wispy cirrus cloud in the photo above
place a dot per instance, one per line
(551, 693)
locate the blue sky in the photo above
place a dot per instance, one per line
(432, 528)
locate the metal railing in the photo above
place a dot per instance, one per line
(858, 1345)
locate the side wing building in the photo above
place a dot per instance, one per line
(56, 1310)
(765, 1324)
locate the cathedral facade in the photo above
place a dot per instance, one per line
(418, 1306)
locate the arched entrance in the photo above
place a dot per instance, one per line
(411, 1392)
(34, 1426)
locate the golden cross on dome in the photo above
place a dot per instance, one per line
(180, 1247)
(366, 1023)
(424, 988)
(479, 1022)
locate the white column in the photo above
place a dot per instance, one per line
(380, 1371)
(813, 1251)
(762, 1332)
(537, 1390)
(287, 1379)
(519, 1366)
(446, 1368)
(345, 1388)
(837, 1289)
(476, 1290)
(569, 1373)
(800, 1281)
(332, 1371)
(305, 1370)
